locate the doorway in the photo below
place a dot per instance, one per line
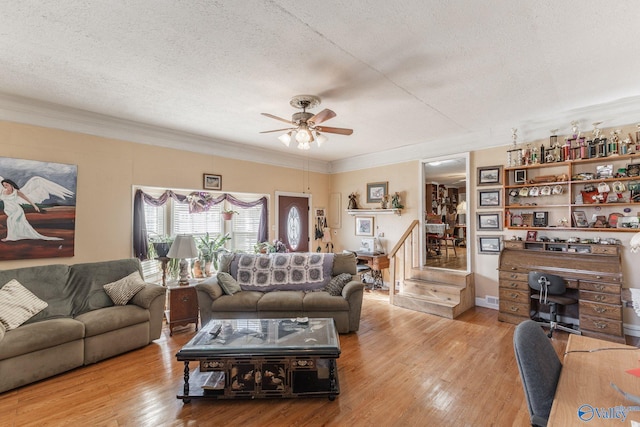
(292, 226)
(445, 220)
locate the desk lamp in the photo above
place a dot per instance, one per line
(183, 248)
(461, 210)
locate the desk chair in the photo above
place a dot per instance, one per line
(539, 368)
(362, 268)
(551, 290)
(449, 240)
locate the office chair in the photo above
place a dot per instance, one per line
(539, 368)
(551, 290)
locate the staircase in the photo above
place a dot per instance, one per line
(446, 293)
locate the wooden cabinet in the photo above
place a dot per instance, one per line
(594, 275)
(553, 193)
(182, 306)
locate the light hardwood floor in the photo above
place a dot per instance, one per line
(402, 368)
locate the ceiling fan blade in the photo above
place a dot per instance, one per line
(277, 118)
(322, 116)
(341, 131)
(277, 130)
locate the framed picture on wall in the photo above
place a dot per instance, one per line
(364, 226)
(489, 245)
(520, 176)
(212, 182)
(489, 221)
(490, 198)
(490, 175)
(376, 191)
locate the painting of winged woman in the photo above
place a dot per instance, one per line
(38, 209)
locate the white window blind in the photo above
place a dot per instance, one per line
(200, 223)
(244, 228)
(154, 219)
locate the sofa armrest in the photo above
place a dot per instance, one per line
(352, 287)
(2, 331)
(145, 297)
(208, 291)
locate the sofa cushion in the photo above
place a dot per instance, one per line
(323, 302)
(242, 302)
(40, 335)
(47, 282)
(344, 263)
(18, 304)
(121, 291)
(281, 301)
(228, 284)
(336, 284)
(224, 261)
(103, 320)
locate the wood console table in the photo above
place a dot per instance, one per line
(594, 271)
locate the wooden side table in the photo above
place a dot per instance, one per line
(182, 306)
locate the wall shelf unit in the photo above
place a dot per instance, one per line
(555, 194)
(375, 211)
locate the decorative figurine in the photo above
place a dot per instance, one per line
(384, 202)
(395, 201)
(353, 203)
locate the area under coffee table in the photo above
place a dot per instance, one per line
(258, 358)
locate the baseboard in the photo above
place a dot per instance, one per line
(631, 330)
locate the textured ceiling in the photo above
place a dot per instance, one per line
(444, 76)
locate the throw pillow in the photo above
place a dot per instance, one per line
(228, 284)
(18, 304)
(335, 285)
(121, 291)
(224, 261)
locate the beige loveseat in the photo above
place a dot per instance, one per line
(80, 325)
(284, 286)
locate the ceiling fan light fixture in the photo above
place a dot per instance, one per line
(302, 136)
(320, 139)
(286, 138)
(304, 146)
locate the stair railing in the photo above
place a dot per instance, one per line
(404, 256)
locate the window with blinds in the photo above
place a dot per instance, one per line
(197, 224)
(155, 220)
(244, 228)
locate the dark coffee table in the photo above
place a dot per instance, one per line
(261, 358)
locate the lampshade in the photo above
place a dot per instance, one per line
(635, 243)
(320, 139)
(286, 138)
(462, 207)
(302, 135)
(183, 247)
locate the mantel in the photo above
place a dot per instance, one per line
(396, 211)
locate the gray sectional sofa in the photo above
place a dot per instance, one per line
(284, 286)
(81, 325)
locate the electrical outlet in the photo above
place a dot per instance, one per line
(381, 234)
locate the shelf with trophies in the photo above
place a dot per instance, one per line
(585, 183)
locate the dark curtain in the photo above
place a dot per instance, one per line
(198, 202)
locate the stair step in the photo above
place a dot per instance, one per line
(426, 305)
(424, 287)
(450, 277)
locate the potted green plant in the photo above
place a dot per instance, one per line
(160, 244)
(227, 214)
(209, 249)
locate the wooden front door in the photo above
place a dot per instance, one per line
(293, 222)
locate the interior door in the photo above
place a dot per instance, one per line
(293, 222)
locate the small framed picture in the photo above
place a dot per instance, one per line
(532, 235)
(320, 212)
(580, 219)
(604, 171)
(490, 175)
(489, 245)
(633, 169)
(376, 191)
(490, 198)
(489, 221)
(520, 176)
(540, 219)
(212, 182)
(364, 226)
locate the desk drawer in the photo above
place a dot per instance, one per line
(515, 295)
(609, 288)
(601, 325)
(513, 284)
(514, 275)
(604, 249)
(594, 309)
(515, 308)
(600, 297)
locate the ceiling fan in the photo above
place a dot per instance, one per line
(306, 127)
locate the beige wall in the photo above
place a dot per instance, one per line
(108, 170)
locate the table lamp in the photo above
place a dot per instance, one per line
(183, 248)
(461, 211)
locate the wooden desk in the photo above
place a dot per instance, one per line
(377, 263)
(584, 384)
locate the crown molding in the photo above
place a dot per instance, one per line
(39, 113)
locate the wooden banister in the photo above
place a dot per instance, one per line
(404, 237)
